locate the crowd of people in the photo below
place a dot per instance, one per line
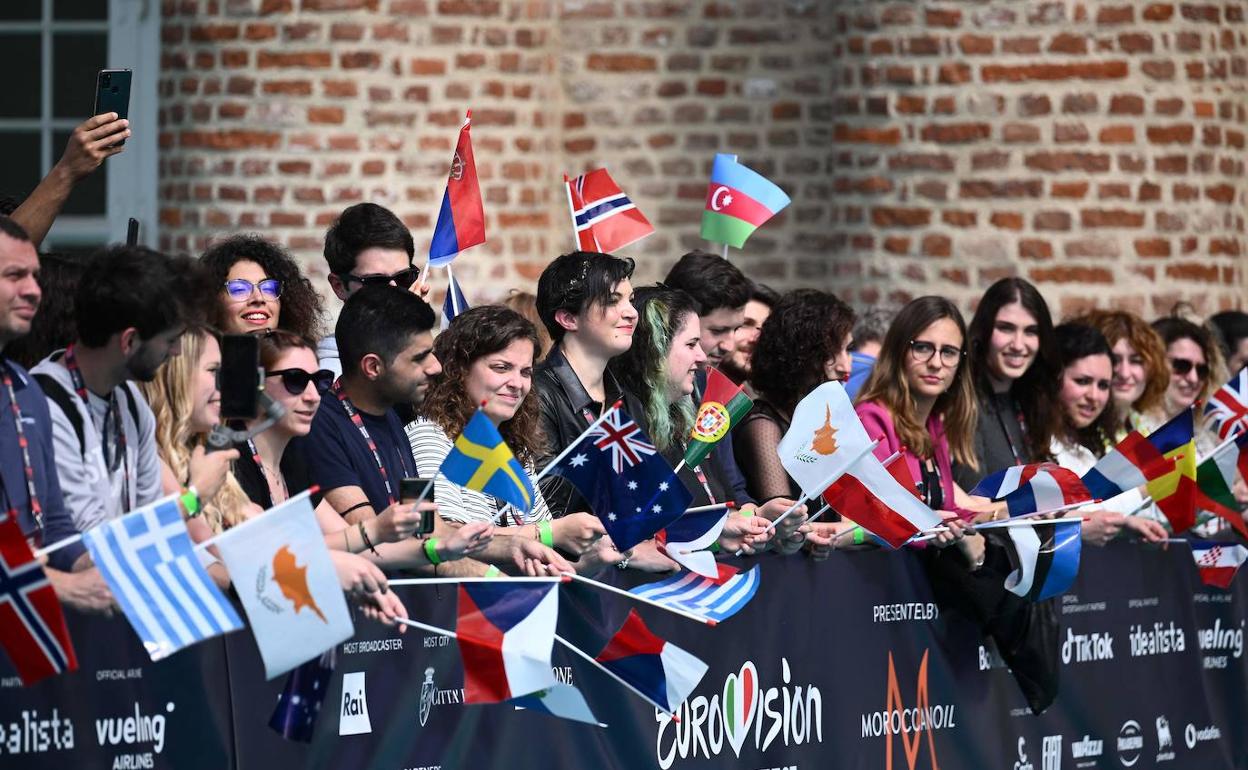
(110, 372)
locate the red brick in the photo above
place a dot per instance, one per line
(1071, 274)
(1152, 247)
(304, 59)
(1090, 218)
(948, 17)
(1034, 248)
(1121, 14)
(1092, 247)
(622, 62)
(1051, 220)
(1158, 12)
(900, 217)
(1222, 193)
(288, 87)
(468, 7)
(230, 140)
(972, 45)
(1087, 162)
(959, 218)
(325, 115)
(338, 5)
(1018, 73)
(1073, 190)
(1068, 44)
(865, 135)
(935, 245)
(1007, 220)
(359, 60)
(1119, 134)
(1020, 133)
(980, 188)
(1173, 134)
(1034, 104)
(1193, 271)
(955, 133)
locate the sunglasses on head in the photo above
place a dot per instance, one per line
(296, 380)
(1182, 366)
(241, 288)
(403, 279)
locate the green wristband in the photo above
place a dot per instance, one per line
(493, 571)
(190, 501)
(431, 550)
(860, 535)
(546, 534)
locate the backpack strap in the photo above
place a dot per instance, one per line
(67, 402)
(132, 403)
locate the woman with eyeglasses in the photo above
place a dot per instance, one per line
(262, 288)
(1195, 363)
(1141, 375)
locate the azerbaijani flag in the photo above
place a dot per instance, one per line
(723, 405)
(1218, 562)
(461, 220)
(1215, 479)
(738, 201)
(1174, 491)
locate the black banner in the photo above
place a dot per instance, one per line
(846, 663)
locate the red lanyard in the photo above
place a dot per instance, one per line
(119, 458)
(697, 470)
(36, 510)
(372, 445)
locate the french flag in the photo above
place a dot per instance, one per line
(1129, 465)
(505, 636)
(461, 220)
(1218, 562)
(1036, 487)
(658, 669)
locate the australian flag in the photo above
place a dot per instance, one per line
(627, 482)
(302, 697)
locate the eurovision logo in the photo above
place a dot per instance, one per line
(912, 723)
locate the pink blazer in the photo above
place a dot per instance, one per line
(879, 424)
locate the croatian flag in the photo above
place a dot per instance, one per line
(717, 598)
(738, 201)
(562, 700)
(660, 670)
(1227, 409)
(461, 220)
(505, 635)
(685, 540)
(1037, 487)
(603, 217)
(454, 304)
(1218, 562)
(32, 628)
(1045, 560)
(872, 497)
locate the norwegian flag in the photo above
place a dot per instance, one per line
(621, 435)
(1227, 409)
(32, 628)
(603, 217)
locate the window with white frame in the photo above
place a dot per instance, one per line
(50, 52)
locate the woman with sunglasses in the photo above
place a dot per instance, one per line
(1195, 363)
(1141, 375)
(262, 288)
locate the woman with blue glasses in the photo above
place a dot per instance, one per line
(262, 289)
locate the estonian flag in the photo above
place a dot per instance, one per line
(1045, 559)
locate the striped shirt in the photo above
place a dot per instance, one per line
(430, 446)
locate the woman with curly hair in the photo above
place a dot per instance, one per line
(1141, 374)
(1194, 360)
(261, 288)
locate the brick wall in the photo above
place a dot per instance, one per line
(1097, 148)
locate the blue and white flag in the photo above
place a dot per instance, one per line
(715, 598)
(149, 562)
(454, 304)
(1045, 560)
(559, 700)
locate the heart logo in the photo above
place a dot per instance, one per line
(740, 701)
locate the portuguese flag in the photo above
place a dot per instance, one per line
(738, 200)
(723, 405)
(1215, 479)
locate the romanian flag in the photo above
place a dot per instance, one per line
(481, 460)
(461, 220)
(738, 201)
(1215, 478)
(723, 405)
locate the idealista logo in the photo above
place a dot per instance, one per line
(1130, 743)
(792, 713)
(353, 717)
(1158, 640)
(897, 719)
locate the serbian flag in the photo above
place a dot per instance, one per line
(603, 217)
(872, 497)
(1031, 488)
(461, 220)
(32, 628)
(1045, 560)
(662, 672)
(1227, 409)
(505, 635)
(723, 405)
(738, 201)
(1215, 480)
(1218, 562)
(685, 540)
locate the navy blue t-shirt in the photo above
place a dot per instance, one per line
(338, 456)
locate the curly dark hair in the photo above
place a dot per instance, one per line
(805, 330)
(302, 311)
(475, 333)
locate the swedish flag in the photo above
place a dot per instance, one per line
(481, 460)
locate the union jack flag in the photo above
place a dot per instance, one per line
(1227, 409)
(603, 217)
(32, 628)
(621, 434)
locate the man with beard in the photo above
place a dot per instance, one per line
(131, 306)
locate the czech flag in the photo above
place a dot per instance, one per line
(603, 217)
(738, 201)
(505, 636)
(658, 669)
(1218, 562)
(1032, 488)
(461, 220)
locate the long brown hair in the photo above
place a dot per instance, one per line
(888, 385)
(482, 331)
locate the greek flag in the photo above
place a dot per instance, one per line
(149, 562)
(718, 598)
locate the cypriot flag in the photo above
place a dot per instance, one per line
(285, 578)
(824, 440)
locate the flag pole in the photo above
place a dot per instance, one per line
(567, 191)
(711, 507)
(450, 286)
(426, 627)
(614, 676)
(496, 579)
(612, 589)
(830, 480)
(932, 534)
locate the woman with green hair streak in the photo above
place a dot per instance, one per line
(660, 370)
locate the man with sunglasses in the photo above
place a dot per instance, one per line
(366, 246)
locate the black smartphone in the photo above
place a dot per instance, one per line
(132, 232)
(409, 492)
(238, 379)
(112, 94)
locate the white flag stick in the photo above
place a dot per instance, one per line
(612, 589)
(711, 507)
(496, 579)
(824, 484)
(614, 676)
(932, 534)
(425, 627)
(567, 191)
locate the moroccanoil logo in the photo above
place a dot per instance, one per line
(911, 723)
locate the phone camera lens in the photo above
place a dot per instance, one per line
(107, 79)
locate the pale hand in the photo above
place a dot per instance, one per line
(208, 470)
(576, 533)
(91, 142)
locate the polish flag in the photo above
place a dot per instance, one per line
(869, 495)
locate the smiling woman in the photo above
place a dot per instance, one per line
(261, 288)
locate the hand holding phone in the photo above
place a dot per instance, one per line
(409, 492)
(112, 94)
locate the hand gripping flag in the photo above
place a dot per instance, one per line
(738, 201)
(454, 303)
(32, 628)
(461, 220)
(284, 577)
(481, 460)
(1045, 560)
(717, 598)
(627, 482)
(1036, 487)
(1215, 480)
(685, 540)
(1218, 562)
(1226, 411)
(1154, 461)
(823, 440)
(302, 697)
(560, 700)
(505, 635)
(147, 559)
(660, 670)
(723, 405)
(603, 217)
(871, 496)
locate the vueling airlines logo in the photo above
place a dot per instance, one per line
(913, 724)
